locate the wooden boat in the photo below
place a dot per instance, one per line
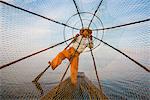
(85, 90)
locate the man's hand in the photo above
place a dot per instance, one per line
(74, 39)
(90, 45)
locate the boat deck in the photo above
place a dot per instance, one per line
(85, 89)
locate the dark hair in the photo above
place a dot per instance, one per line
(82, 30)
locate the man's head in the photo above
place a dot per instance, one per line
(86, 32)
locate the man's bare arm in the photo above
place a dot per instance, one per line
(74, 39)
(90, 45)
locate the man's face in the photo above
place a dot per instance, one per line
(86, 33)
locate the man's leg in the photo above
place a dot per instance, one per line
(59, 58)
(74, 70)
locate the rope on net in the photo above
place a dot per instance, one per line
(139, 64)
(122, 25)
(41, 16)
(25, 57)
(78, 12)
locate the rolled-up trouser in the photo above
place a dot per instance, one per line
(72, 57)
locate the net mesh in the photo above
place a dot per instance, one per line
(22, 34)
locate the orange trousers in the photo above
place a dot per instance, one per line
(72, 57)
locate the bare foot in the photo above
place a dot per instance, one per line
(51, 65)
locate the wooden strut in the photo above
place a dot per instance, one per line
(91, 49)
(123, 25)
(78, 12)
(41, 16)
(13, 62)
(146, 69)
(95, 13)
(95, 67)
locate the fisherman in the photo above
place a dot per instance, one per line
(80, 42)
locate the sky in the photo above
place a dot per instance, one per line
(23, 33)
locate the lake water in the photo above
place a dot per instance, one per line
(121, 89)
(120, 79)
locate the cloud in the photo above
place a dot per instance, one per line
(28, 1)
(7, 0)
(23, 1)
(39, 32)
(87, 1)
